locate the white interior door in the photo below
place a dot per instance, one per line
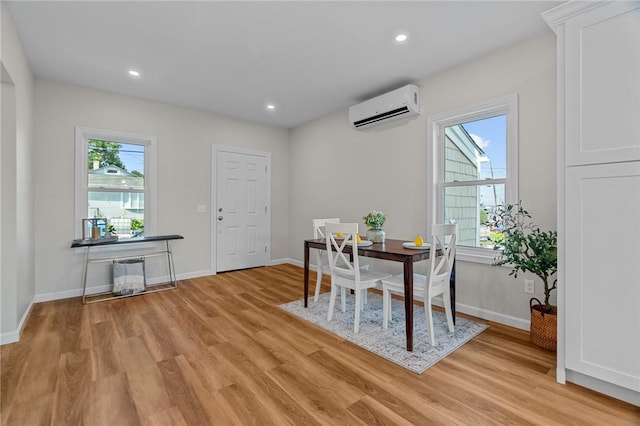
(241, 209)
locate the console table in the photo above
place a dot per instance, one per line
(89, 244)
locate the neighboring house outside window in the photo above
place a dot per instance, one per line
(473, 152)
(461, 164)
(115, 179)
(118, 195)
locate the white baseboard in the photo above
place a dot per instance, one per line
(14, 336)
(615, 391)
(485, 314)
(9, 337)
(475, 311)
(196, 274)
(77, 292)
(285, 260)
(293, 262)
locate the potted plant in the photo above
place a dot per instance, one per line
(526, 248)
(374, 221)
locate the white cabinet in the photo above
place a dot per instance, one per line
(602, 272)
(602, 85)
(599, 195)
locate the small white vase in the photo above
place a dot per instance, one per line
(375, 235)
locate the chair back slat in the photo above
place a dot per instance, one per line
(339, 260)
(319, 226)
(443, 239)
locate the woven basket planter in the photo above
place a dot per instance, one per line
(544, 326)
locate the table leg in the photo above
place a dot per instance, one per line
(84, 276)
(452, 288)
(306, 273)
(408, 302)
(172, 270)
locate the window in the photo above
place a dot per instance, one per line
(473, 152)
(115, 179)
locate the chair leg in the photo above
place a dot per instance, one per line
(332, 301)
(446, 301)
(343, 297)
(386, 305)
(318, 284)
(356, 321)
(429, 320)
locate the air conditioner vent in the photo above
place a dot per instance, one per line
(381, 117)
(399, 104)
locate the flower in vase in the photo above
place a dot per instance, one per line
(374, 219)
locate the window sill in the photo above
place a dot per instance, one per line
(475, 255)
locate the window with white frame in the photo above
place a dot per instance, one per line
(474, 156)
(115, 180)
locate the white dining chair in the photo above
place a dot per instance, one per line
(443, 238)
(347, 274)
(322, 262)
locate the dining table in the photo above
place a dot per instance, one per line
(392, 250)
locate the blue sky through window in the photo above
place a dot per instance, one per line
(490, 134)
(132, 157)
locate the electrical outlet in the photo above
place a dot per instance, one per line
(528, 286)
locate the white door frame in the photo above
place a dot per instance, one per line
(215, 149)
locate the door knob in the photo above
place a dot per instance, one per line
(220, 217)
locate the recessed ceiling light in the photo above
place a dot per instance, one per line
(271, 107)
(401, 37)
(134, 73)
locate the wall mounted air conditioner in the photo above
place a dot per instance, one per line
(396, 105)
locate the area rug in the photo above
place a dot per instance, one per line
(389, 343)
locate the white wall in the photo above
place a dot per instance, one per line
(184, 141)
(339, 172)
(17, 286)
(387, 170)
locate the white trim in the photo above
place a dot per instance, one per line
(215, 149)
(9, 337)
(66, 294)
(488, 315)
(14, 336)
(607, 388)
(561, 374)
(82, 135)
(286, 260)
(480, 255)
(475, 311)
(559, 14)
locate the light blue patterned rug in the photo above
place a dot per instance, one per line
(389, 343)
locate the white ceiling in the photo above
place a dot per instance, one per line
(309, 58)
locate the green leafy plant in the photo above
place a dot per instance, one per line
(137, 224)
(526, 248)
(374, 219)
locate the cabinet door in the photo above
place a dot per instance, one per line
(602, 275)
(602, 83)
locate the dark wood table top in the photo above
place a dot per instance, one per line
(109, 241)
(389, 250)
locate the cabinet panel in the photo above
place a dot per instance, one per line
(603, 85)
(602, 275)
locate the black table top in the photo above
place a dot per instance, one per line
(110, 241)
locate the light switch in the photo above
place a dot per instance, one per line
(202, 208)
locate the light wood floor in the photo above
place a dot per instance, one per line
(218, 350)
